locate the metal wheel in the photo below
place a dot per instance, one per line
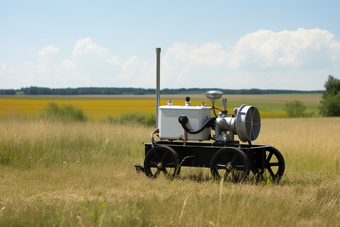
(274, 163)
(161, 159)
(230, 163)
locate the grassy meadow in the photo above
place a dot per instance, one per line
(56, 173)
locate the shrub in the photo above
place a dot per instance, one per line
(135, 118)
(65, 112)
(296, 108)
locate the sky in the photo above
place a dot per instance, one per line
(204, 44)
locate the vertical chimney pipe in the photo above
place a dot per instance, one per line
(158, 72)
(224, 104)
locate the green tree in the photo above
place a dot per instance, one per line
(295, 108)
(330, 105)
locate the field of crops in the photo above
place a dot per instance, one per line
(99, 107)
(58, 173)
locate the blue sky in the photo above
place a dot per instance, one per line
(223, 44)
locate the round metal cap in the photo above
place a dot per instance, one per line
(213, 95)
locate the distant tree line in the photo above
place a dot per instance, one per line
(7, 92)
(253, 91)
(138, 91)
(79, 91)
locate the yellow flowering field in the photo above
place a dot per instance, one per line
(97, 108)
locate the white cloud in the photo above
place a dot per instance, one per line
(207, 54)
(6, 73)
(130, 69)
(46, 61)
(48, 50)
(299, 59)
(45, 67)
(95, 66)
(313, 48)
(183, 63)
(5, 70)
(135, 73)
(90, 63)
(87, 46)
(265, 59)
(113, 60)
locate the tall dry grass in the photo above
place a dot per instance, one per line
(76, 174)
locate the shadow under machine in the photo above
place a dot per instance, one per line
(195, 136)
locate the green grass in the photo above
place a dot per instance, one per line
(274, 107)
(74, 174)
(274, 103)
(65, 112)
(134, 118)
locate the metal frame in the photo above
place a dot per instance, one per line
(254, 158)
(200, 154)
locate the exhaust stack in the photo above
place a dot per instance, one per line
(158, 64)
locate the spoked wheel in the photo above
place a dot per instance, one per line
(230, 163)
(274, 163)
(162, 159)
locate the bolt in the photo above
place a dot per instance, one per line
(160, 165)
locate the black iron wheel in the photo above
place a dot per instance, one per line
(230, 163)
(161, 159)
(274, 163)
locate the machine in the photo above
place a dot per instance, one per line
(195, 136)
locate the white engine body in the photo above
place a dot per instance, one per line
(171, 129)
